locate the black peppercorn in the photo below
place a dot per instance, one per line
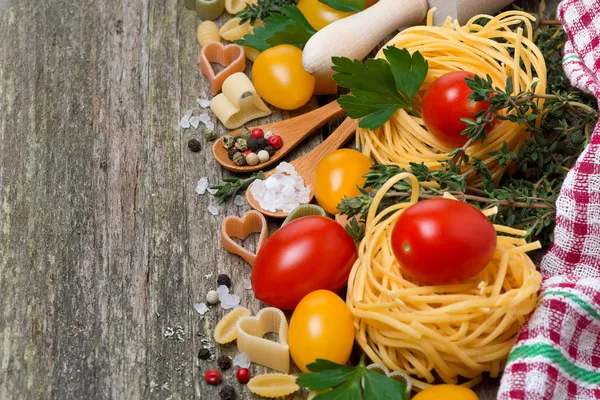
(231, 152)
(204, 354)
(224, 362)
(252, 144)
(194, 145)
(223, 279)
(270, 150)
(262, 143)
(227, 393)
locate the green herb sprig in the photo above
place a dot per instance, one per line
(262, 9)
(345, 5)
(341, 382)
(380, 86)
(287, 27)
(232, 186)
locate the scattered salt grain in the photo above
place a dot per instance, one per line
(211, 191)
(239, 200)
(247, 284)
(201, 308)
(204, 118)
(202, 185)
(185, 120)
(227, 300)
(195, 121)
(213, 210)
(204, 103)
(210, 125)
(284, 190)
(241, 360)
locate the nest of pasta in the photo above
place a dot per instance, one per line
(450, 331)
(502, 47)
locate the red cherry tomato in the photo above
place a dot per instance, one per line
(442, 241)
(445, 103)
(308, 254)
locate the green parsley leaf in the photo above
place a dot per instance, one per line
(380, 87)
(345, 5)
(289, 27)
(341, 382)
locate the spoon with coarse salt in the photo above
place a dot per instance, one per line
(306, 166)
(292, 132)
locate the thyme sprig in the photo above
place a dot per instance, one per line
(232, 186)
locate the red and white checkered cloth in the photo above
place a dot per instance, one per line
(557, 354)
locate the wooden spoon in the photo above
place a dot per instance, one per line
(292, 131)
(306, 166)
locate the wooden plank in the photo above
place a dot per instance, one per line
(104, 244)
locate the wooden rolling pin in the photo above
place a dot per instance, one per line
(355, 36)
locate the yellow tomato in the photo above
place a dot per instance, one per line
(340, 174)
(446, 392)
(280, 78)
(321, 327)
(318, 14)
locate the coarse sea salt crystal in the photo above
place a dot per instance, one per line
(222, 291)
(185, 120)
(241, 360)
(284, 190)
(204, 118)
(195, 121)
(230, 301)
(247, 284)
(211, 191)
(201, 308)
(213, 210)
(202, 185)
(204, 103)
(210, 125)
(239, 200)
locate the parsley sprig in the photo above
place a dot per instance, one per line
(262, 9)
(288, 27)
(380, 86)
(341, 382)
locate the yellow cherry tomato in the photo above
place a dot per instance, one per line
(446, 392)
(280, 78)
(340, 174)
(318, 14)
(321, 327)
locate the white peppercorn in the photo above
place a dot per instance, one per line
(263, 156)
(251, 159)
(268, 134)
(212, 297)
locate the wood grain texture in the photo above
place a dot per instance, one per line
(104, 244)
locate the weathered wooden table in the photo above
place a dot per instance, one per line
(104, 244)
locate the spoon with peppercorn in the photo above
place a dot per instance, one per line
(306, 166)
(246, 150)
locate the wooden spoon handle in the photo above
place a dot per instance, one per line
(340, 136)
(317, 118)
(355, 36)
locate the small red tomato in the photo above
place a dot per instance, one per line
(442, 241)
(212, 377)
(246, 152)
(308, 254)
(276, 141)
(445, 103)
(243, 375)
(257, 133)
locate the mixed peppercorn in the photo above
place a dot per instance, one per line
(252, 146)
